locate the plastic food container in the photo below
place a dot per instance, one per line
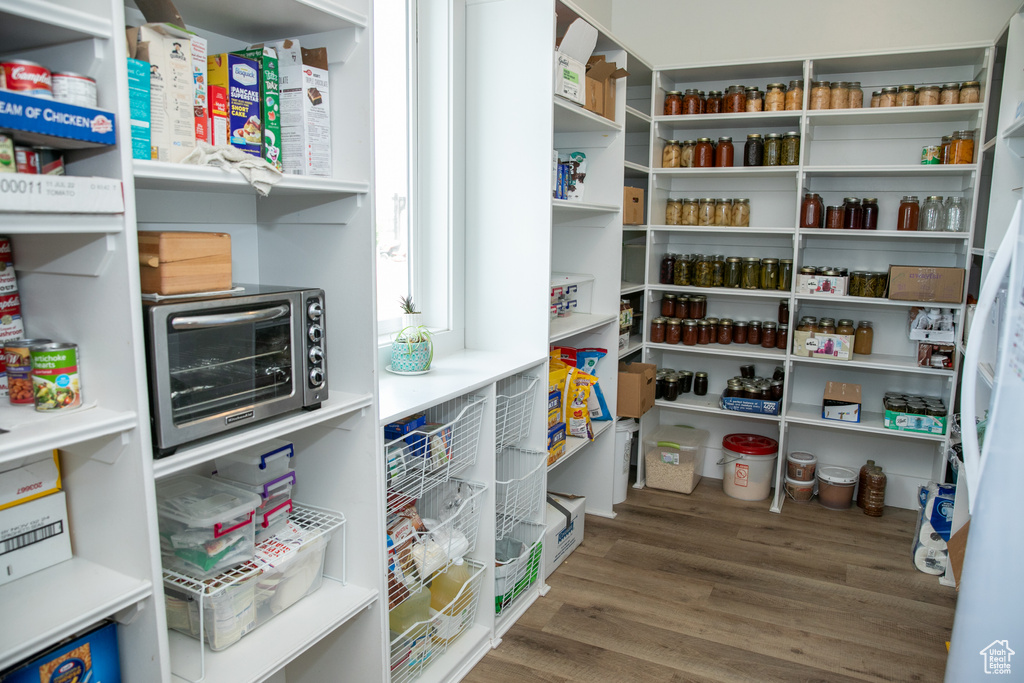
(835, 487)
(206, 526)
(258, 464)
(275, 502)
(800, 466)
(674, 458)
(749, 461)
(799, 490)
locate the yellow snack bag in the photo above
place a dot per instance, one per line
(557, 373)
(574, 400)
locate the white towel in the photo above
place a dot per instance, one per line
(260, 174)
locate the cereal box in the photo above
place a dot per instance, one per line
(92, 656)
(171, 91)
(305, 109)
(200, 108)
(240, 77)
(270, 101)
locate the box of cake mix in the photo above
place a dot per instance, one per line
(240, 77)
(270, 101)
(305, 109)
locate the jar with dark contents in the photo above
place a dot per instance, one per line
(790, 149)
(704, 154)
(785, 274)
(751, 391)
(733, 269)
(702, 272)
(769, 334)
(733, 389)
(698, 306)
(782, 337)
(671, 388)
(682, 273)
(870, 206)
(713, 323)
(685, 381)
(853, 214)
(658, 326)
(739, 332)
(703, 102)
(714, 102)
(795, 96)
(673, 103)
(754, 100)
(682, 307)
(668, 264)
(858, 283)
(753, 150)
(812, 211)
(754, 332)
(775, 97)
(689, 333)
(659, 383)
(700, 383)
(784, 312)
(725, 331)
(673, 331)
(834, 217)
(724, 153)
(769, 273)
(718, 271)
(691, 101)
(703, 332)
(668, 305)
(751, 275)
(775, 390)
(773, 149)
(735, 100)
(906, 218)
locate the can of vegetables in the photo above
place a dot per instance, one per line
(55, 381)
(18, 359)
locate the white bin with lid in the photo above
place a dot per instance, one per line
(674, 457)
(835, 487)
(275, 502)
(206, 525)
(257, 464)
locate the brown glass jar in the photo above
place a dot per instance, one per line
(782, 337)
(658, 330)
(775, 389)
(909, 210)
(691, 102)
(812, 211)
(906, 96)
(703, 332)
(671, 388)
(795, 96)
(673, 103)
(735, 100)
(834, 217)
(870, 206)
(725, 331)
(754, 332)
(668, 305)
(689, 333)
(673, 331)
(713, 322)
(682, 307)
(739, 332)
(863, 338)
(754, 100)
(713, 104)
(845, 327)
(700, 383)
(769, 334)
(853, 214)
(784, 312)
(704, 154)
(733, 389)
(685, 381)
(698, 306)
(821, 95)
(724, 153)
(775, 97)
(668, 264)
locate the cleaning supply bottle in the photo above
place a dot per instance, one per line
(443, 593)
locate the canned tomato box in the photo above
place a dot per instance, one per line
(56, 384)
(18, 360)
(12, 326)
(72, 88)
(26, 78)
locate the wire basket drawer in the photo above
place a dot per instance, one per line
(514, 408)
(514, 576)
(519, 487)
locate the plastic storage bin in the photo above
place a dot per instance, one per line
(674, 458)
(276, 502)
(835, 487)
(517, 563)
(206, 526)
(749, 461)
(258, 464)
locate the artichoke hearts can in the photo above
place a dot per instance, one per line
(18, 361)
(56, 384)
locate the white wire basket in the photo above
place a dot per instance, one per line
(514, 576)
(288, 566)
(429, 456)
(425, 642)
(451, 513)
(514, 408)
(519, 487)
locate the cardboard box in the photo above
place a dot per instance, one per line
(751, 405)
(240, 77)
(404, 426)
(270, 101)
(826, 285)
(574, 49)
(841, 402)
(183, 262)
(563, 536)
(922, 283)
(38, 477)
(601, 86)
(171, 90)
(906, 422)
(632, 206)
(636, 388)
(220, 119)
(305, 109)
(200, 104)
(933, 325)
(34, 536)
(138, 108)
(92, 656)
(834, 346)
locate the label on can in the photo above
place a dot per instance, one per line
(6, 253)
(72, 88)
(19, 373)
(8, 281)
(3, 374)
(7, 164)
(26, 160)
(11, 324)
(51, 162)
(55, 381)
(931, 154)
(26, 78)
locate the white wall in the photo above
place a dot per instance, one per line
(600, 10)
(677, 33)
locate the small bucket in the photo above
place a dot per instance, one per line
(749, 461)
(835, 487)
(799, 491)
(800, 466)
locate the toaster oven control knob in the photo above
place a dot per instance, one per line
(315, 310)
(316, 333)
(316, 354)
(316, 377)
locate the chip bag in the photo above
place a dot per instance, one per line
(575, 400)
(586, 360)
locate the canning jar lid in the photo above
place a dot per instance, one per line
(741, 201)
(674, 321)
(674, 92)
(690, 322)
(970, 84)
(792, 134)
(754, 136)
(854, 84)
(692, 91)
(934, 197)
(891, 89)
(928, 87)
(751, 88)
(820, 84)
(732, 259)
(750, 444)
(785, 260)
(845, 321)
(704, 323)
(725, 321)
(751, 259)
(714, 93)
(851, 200)
(689, 142)
(703, 139)
(740, 323)
(668, 295)
(869, 200)
(701, 374)
(840, 84)
(802, 457)
(839, 476)
(672, 142)
(906, 88)
(698, 297)
(685, 373)
(725, 139)
(769, 260)
(776, 85)
(660, 320)
(950, 85)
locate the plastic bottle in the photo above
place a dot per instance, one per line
(415, 609)
(874, 494)
(861, 483)
(444, 589)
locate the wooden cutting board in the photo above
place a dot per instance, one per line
(178, 262)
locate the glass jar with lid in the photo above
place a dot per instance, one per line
(700, 383)
(773, 149)
(740, 328)
(682, 307)
(840, 96)
(790, 149)
(944, 149)
(659, 383)
(724, 153)
(888, 97)
(845, 327)
(689, 332)
(856, 96)
(735, 100)
(775, 97)
(961, 147)
(702, 275)
(673, 330)
(931, 215)
(733, 389)
(853, 214)
(673, 103)
(928, 95)
(775, 390)
(877, 282)
(674, 212)
(956, 216)
(769, 330)
(671, 154)
(753, 150)
(751, 274)
(740, 213)
(754, 332)
(686, 152)
(906, 218)
(970, 92)
(703, 102)
(821, 95)
(706, 211)
(685, 381)
(875, 96)
(668, 305)
(714, 102)
(769, 273)
(691, 101)
(671, 388)
(906, 96)
(718, 271)
(754, 100)
(690, 211)
(658, 330)
(808, 323)
(704, 333)
(795, 96)
(733, 270)
(812, 211)
(858, 283)
(698, 306)
(725, 331)
(784, 311)
(863, 338)
(870, 205)
(834, 217)
(827, 326)
(949, 93)
(704, 154)
(785, 274)
(713, 322)
(668, 264)
(682, 274)
(723, 212)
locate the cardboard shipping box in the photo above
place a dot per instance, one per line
(305, 109)
(37, 532)
(923, 283)
(571, 55)
(827, 285)
(184, 262)
(38, 477)
(601, 86)
(841, 402)
(632, 205)
(171, 90)
(816, 345)
(636, 388)
(563, 536)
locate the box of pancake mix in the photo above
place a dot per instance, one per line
(270, 101)
(241, 78)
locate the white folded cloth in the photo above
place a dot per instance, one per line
(260, 174)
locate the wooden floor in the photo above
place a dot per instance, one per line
(707, 588)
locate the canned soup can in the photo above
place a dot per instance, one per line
(55, 380)
(27, 78)
(72, 88)
(18, 358)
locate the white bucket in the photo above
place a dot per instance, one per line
(625, 428)
(750, 468)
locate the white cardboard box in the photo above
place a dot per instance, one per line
(61, 194)
(824, 285)
(171, 91)
(571, 58)
(560, 541)
(36, 476)
(33, 536)
(305, 109)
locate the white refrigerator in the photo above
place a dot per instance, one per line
(988, 629)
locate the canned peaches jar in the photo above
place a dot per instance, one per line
(72, 88)
(55, 380)
(26, 78)
(18, 358)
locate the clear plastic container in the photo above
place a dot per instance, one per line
(275, 505)
(674, 457)
(258, 464)
(206, 526)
